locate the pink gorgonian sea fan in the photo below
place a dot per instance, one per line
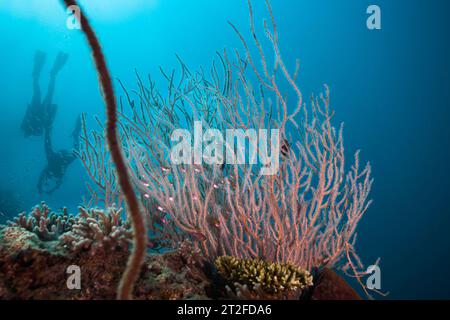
(305, 213)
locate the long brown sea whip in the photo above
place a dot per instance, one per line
(136, 259)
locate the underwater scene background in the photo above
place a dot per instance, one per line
(390, 87)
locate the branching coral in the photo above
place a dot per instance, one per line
(272, 278)
(47, 225)
(90, 229)
(97, 229)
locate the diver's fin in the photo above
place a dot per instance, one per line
(39, 61)
(60, 61)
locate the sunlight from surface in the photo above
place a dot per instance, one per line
(50, 11)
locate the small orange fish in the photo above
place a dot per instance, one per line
(163, 220)
(214, 222)
(198, 236)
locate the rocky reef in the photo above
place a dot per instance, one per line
(36, 251)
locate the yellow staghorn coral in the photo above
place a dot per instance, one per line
(272, 278)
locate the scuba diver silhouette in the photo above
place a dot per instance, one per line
(57, 162)
(39, 119)
(36, 114)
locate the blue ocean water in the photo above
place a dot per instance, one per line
(389, 86)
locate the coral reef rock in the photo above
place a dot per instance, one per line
(34, 269)
(333, 287)
(39, 250)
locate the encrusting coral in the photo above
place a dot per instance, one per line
(47, 225)
(271, 278)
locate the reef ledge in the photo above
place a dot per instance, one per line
(31, 268)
